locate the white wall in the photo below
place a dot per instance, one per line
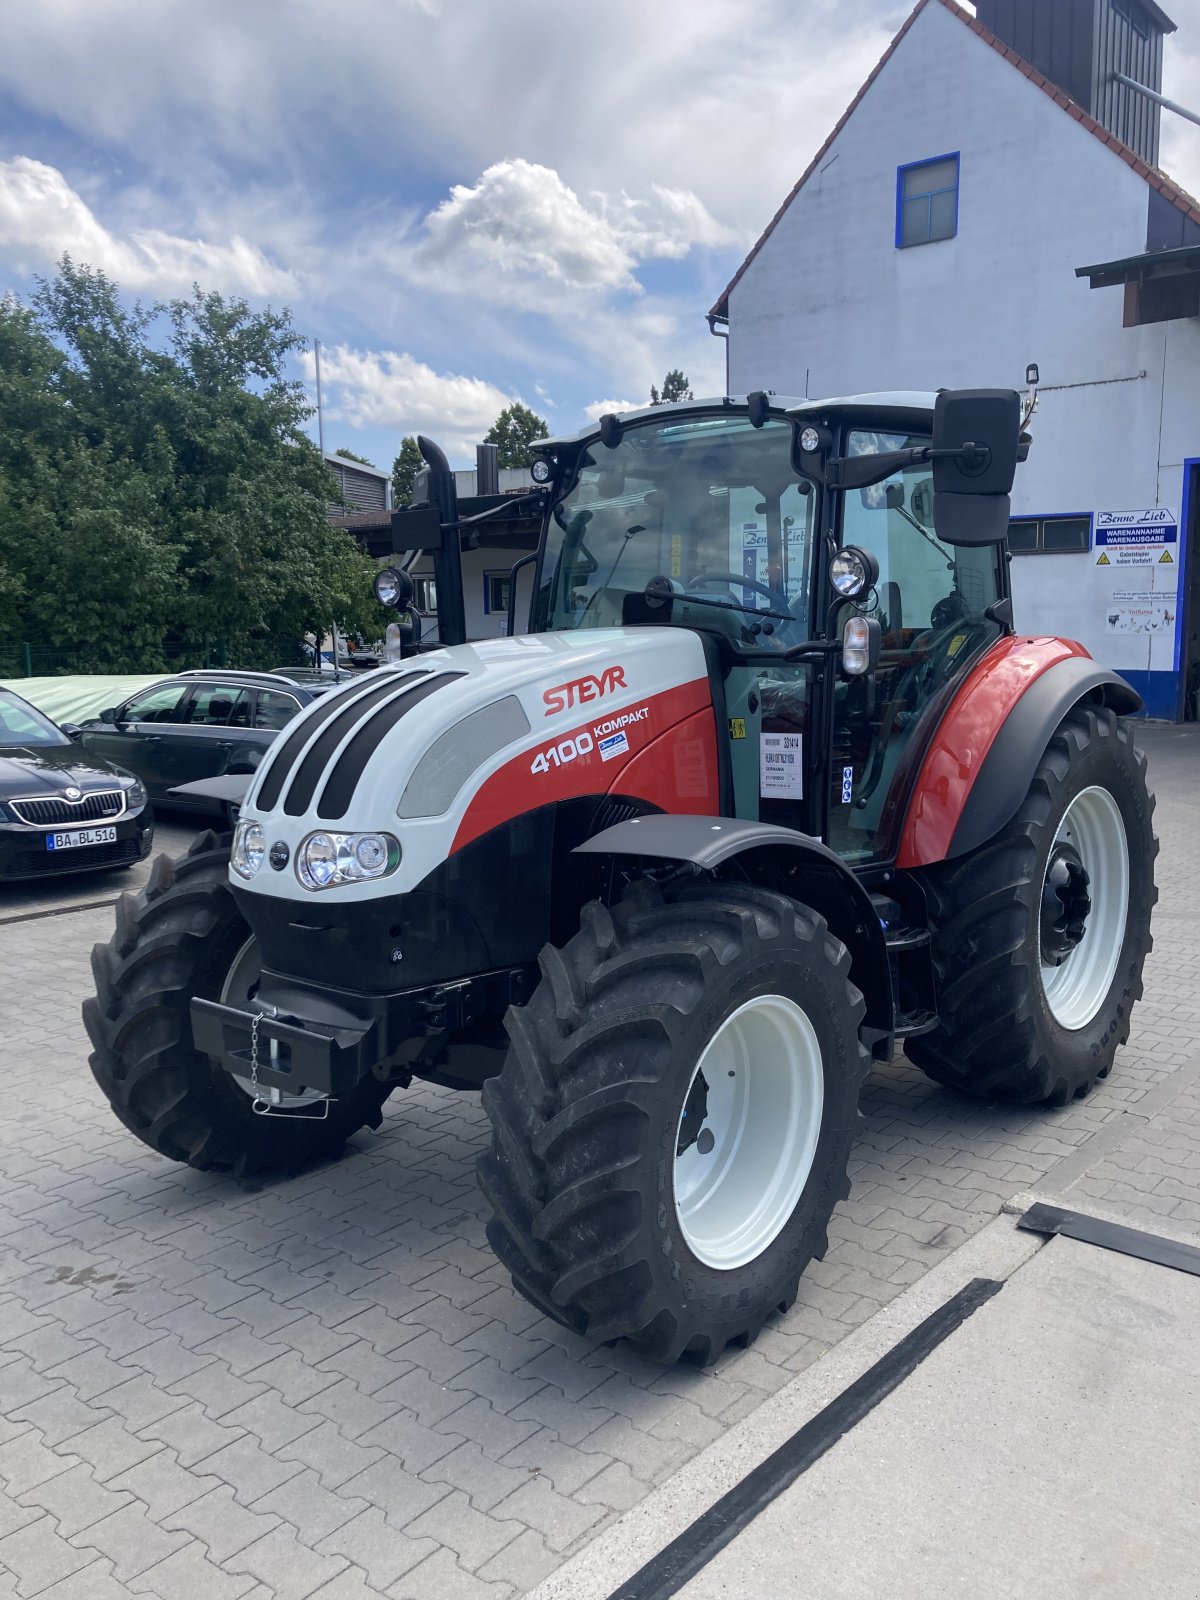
(475, 565)
(830, 300)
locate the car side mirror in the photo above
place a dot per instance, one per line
(71, 729)
(109, 714)
(975, 442)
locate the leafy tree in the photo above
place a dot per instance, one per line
(404, 469)
(157, 484)
(349, 455)
(675, 387)
(514, 430)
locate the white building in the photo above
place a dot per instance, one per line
(939, 239)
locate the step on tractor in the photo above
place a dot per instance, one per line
(769, 787)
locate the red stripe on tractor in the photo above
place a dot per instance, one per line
(677, 773)
(964, 737)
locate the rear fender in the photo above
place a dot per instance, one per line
(981, 761)
(777, 858)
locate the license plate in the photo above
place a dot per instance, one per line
(80, 836)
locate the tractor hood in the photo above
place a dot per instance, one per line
(439, 750)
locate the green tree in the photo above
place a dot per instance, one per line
(404, 469)
(157, 484)
(349, 455)
(675, 387)
(514, 430)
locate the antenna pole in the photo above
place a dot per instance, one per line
(320, 408)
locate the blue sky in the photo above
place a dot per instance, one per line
(466, 202)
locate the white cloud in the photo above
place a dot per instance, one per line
(521, 218)
(604, 408)
(390, 389)
(41, 217)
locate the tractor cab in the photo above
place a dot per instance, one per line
(768, 526)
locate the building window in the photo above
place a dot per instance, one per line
(1049, 536)
(927, 201)
(425, 597)
(495, 592)
(1134, 16)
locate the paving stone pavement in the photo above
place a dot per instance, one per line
(327, 1387)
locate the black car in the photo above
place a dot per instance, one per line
(198, 725)
(63, 809)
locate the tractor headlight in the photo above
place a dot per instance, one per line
(852, 572)
(249, 848)
(135, 795)
(327, 860)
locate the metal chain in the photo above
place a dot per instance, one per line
(254, 1022)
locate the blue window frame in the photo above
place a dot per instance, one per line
(496, 587)
(927, 201)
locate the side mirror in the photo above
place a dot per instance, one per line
(109, 714)
(71, 729)
(975, 443)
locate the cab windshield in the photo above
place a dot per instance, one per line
(712, 505)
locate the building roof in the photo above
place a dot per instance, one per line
(1169, 190)
(334, 460)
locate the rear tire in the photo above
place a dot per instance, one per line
(177, 939)
(596, 1212)
(1014, 1026)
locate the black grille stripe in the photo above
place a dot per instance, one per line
(349, 769)
(287, 752)
(318, 758)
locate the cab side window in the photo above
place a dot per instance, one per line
(161, 704)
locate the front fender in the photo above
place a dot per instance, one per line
(777, 858)
(982, 758)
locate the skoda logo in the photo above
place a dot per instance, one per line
(72, 793)
(278, 856)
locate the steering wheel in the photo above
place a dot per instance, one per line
(703, 580)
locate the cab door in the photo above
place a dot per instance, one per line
(932, 603)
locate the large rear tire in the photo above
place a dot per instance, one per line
(180, 937)
(1039, 938)
(632, 1195)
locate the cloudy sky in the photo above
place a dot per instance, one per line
(467, 202)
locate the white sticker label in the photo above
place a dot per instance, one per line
(781, 765)
(617, 744)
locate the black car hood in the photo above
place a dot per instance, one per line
(50, 769)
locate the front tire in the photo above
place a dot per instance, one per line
(182, 936)
(631, 1195)
(1040, 936)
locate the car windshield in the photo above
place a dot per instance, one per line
(21, 726)
(712, 505)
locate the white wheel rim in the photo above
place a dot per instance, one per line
(1076, 990)
(239, 989)
(766, 1094)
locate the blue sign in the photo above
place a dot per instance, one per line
(1155, 525)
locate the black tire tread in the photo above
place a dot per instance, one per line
(162, 1090)
(989, 1043)
(594, 1039)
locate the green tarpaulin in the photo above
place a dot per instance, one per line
(75, 699)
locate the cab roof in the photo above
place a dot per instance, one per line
(908, 410)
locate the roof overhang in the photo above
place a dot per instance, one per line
(1160, 285)
(1137, 269)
